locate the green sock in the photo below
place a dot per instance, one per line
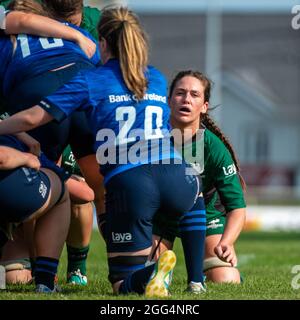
(77, 259)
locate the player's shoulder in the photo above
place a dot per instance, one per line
(101, 78)
(154, 72)
(211, 138)
(155, 76)
(214, 146)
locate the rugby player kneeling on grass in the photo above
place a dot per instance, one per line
(217, 164)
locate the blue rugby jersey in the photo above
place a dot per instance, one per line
(110, 105)
(35, 55)
(6, 51)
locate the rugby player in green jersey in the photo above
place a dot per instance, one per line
(222, 184)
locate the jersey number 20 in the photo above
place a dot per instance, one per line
(126, 125)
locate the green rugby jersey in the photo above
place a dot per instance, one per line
(4, 3)
(221, 184)
(90, 20)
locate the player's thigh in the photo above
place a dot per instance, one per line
(132, 199)
(211, 242)
(57, 193)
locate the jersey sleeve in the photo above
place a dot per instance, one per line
(226, 179)
(72, 96)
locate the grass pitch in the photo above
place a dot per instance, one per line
(266, 260)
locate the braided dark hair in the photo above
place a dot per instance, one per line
(209, 123)
(206, 120)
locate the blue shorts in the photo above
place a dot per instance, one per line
(22, 190)
(54, 137)
(135, 195)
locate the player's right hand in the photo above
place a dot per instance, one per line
(226, 253)
(33, 161)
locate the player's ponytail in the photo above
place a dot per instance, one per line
(127, 42)
(208, 122)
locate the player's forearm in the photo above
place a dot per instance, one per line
(20, 22)
(11, 158)
(25, 120)
(234, 225)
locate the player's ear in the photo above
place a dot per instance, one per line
(104, 50)
(204, 107)
(102, 44)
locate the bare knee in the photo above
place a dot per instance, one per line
(18, 271)
(223, 275)
(18, 276)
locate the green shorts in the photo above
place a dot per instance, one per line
(169, 230)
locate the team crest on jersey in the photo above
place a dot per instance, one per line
(230, 170)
